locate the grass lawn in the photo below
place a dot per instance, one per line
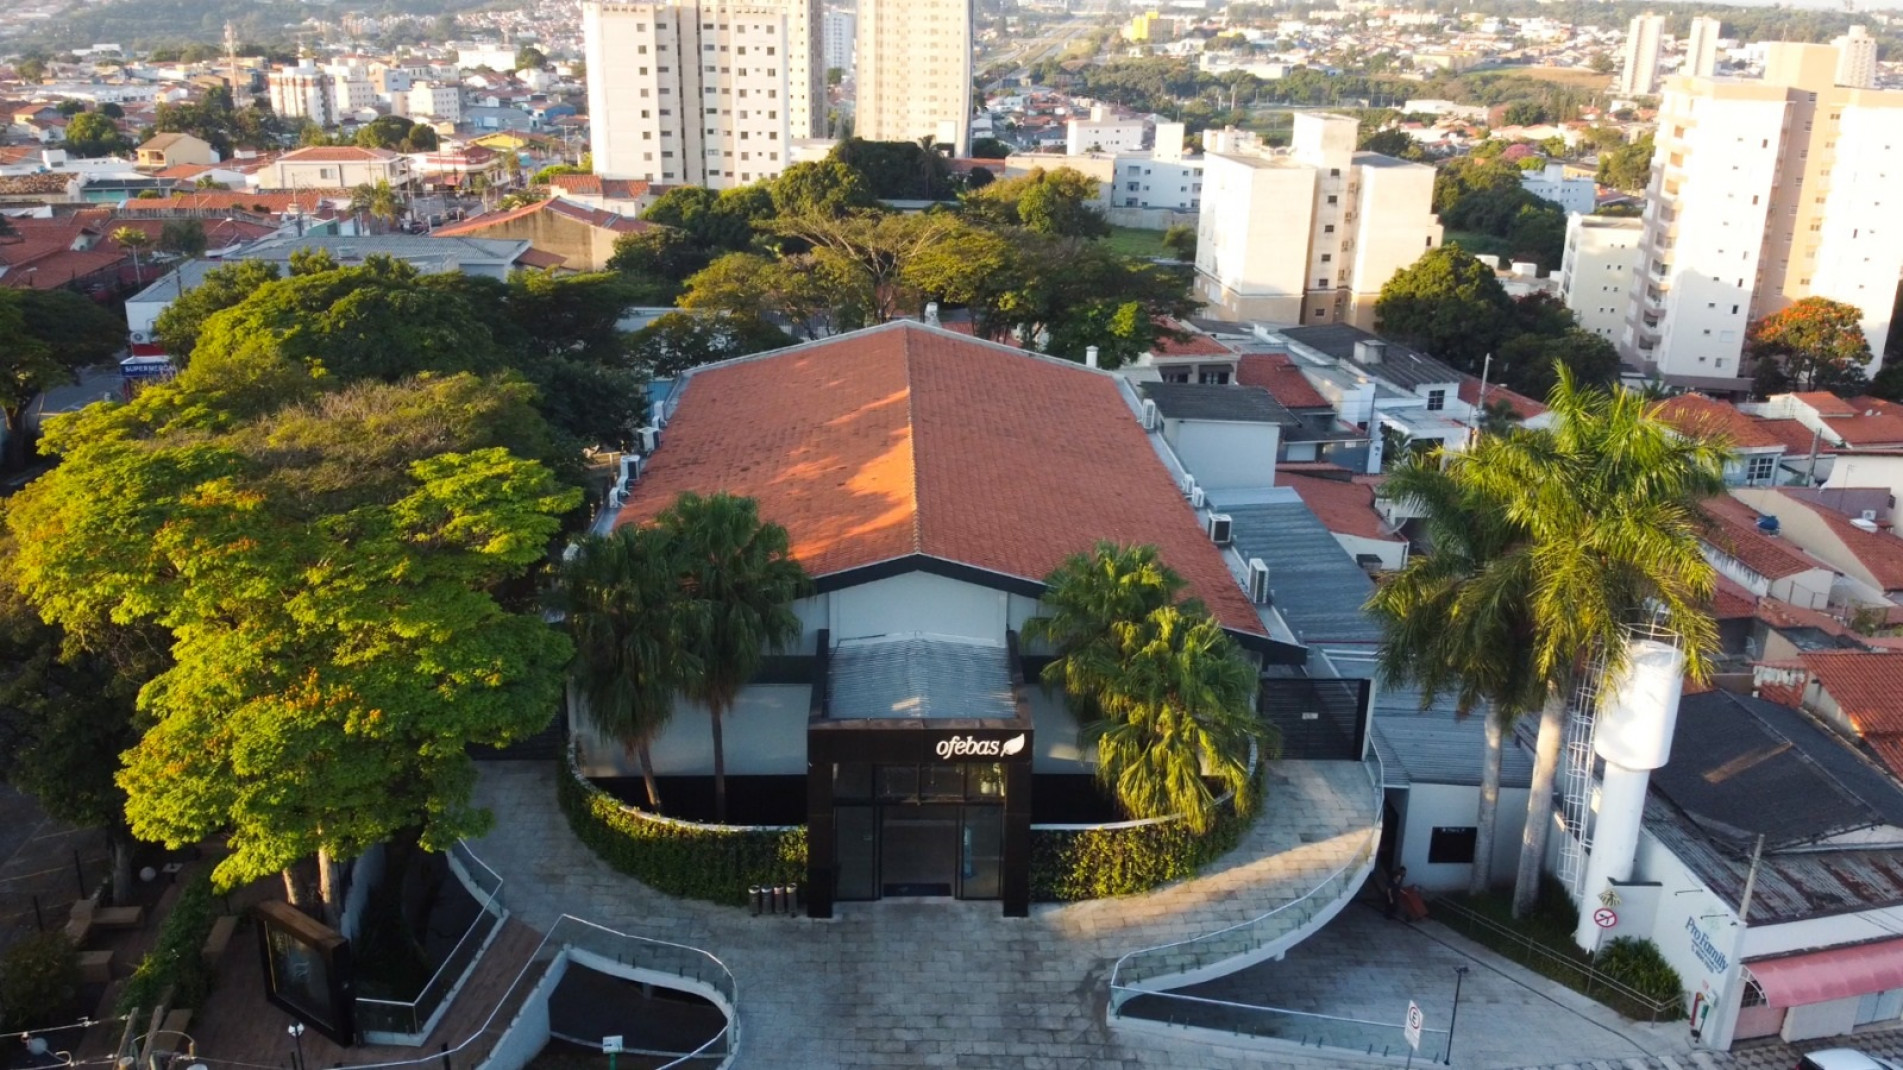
(1549, 927)
(1568, 76)
(1133, 242)
(1479, 244)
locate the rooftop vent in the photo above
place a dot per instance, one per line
(1259, 582)
(1371, 352)
(1220, 529)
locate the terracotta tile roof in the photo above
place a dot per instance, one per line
(1343, 507)
(905, 440)
(580, 213)
(1696, 414)
(1826, 403)
(220, 200)
(1867, 687)
(1881, 429)
(1732, 602)
(183, 170)
(1734, 530)
(1880, 551)
(1796, 437)
(624, 189)
(63, 267)
(219, 233)
(337, 154)
(1781, 614)
(537, 258)
(162, 141)
(1194, 343)
(1277, 373)
(1524, 406)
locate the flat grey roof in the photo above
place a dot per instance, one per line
(429, 255)
(1209, 401)
(1318, 588)
(1400, 365)
(919, 678)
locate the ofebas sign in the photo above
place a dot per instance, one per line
(973, 747)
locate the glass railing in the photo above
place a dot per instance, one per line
(412, 1018)
(1301, 1028)
(1153, 968)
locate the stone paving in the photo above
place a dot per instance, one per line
(940, 984)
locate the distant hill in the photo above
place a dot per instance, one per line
(145, 24)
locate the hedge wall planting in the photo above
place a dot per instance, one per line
(1636, 963)
(694, 862)
(1073, 864)
(175, 961)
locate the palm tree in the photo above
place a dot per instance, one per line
(1178, 713)
(1085, 598)
(1448, 627)
(741, 572)
(1605, 504)
(379, 201)
(132, 239)
(621, 597)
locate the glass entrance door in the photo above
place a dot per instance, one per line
(908, 830)
(918, 849)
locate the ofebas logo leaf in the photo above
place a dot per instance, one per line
(1012, 745)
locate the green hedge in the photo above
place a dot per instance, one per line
(1637, 964)
(1073, 864)
(39, 982)
(684, 860)
(176, 960)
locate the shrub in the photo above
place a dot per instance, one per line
(176, 960)
(1073, 864)
(1637, 964)
(39, 981)
(678, 858)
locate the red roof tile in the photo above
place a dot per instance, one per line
(1881, 552)
(1696, 414)
(1797, 438)
(1866, 686)
(1732, 602)
(1193, 342)
(1525, 407)
(337, 154)
(1277, 373)
(1781, 614)
(904, 440)
(1826, 403)
(1344, 508)
(1734, 530)
(1881, 429)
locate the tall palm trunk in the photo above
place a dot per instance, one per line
(720, 766)
(1539, 798)
(645, 755)
(1481, 879)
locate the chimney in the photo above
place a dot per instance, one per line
(931, 313)
(1090, 356)
(1373, 351)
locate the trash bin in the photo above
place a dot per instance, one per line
(755, 896)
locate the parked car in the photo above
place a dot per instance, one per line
(1845, 1059)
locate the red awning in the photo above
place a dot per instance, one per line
(1795, 980)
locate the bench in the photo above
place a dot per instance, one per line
(95, 967)
(218, 939)
(118, 917)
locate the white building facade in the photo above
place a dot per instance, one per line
(841, 32)
(692, 93)
(1308, 235)
(914, 71)
(303, 93)
(1596, 271)
(1701, 48)
(1856, 59)
(1576, 195)
(1645, 40)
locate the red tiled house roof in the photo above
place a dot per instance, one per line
(1696, 414)
(1880, 552)
(1524, 407)
(1733, 529)
(1343, 507)
(1867, 688)
(908, 441)
(1277, 373)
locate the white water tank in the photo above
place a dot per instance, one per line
(1640, 707)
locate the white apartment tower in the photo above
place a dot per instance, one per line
(303, 93)
(1856, 59)
(842, 31)
(915, 69)
(1701, 48)
(699, 92)
(1595, 274)
(1310, 234)
(1644, 41)
(1764, 192)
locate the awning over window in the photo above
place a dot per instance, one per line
(1795, 980)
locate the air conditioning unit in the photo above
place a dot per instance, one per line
(1258, 581)
(141, 337)
(1219, 528)
(649, 438)
(1870, 514)
(1197, 497)
(1151, 416)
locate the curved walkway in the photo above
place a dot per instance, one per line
(939, 984)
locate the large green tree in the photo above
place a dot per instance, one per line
(677, 341)
(221, 288)
(49, 335)
(740, 573)
(1447, 304)
(826, 188)
(92, 134)
(1063, 202)
(1628, 167)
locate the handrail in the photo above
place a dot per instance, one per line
(489, 917)
(1360, 857)
(1592, 974)
(1187, 998)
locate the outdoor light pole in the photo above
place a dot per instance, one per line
(296, 1029)
(1460, 973)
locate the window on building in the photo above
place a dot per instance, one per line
(1331, 198)
(1452, 845)
(1759, 468)
(1436, 400)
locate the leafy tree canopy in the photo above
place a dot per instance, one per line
(50, 335)
(1627, 167)
(1060, 202)
(897, 170)
(1447, 304)
(825, 188)
(1814, 344)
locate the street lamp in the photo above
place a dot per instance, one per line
(296, 1029)
(1460, 974)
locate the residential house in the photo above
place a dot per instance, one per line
(1757, 452)
(1848, 529)
(1346, 507)
(1411, 397)
(1853, 423)
(1744, 545)
(623, 196)
(173, 150)
(1859, 693)
(1227, 435)
(337, 166)
(583, 238)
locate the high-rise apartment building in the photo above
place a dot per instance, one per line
(1856, 59)
(699, 92)
(1644, 41)
(841, 31)
(1701, 48)
(1595, 274)
(303, 93)
(1764, 192)
(915, 70)
(1309, 234)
